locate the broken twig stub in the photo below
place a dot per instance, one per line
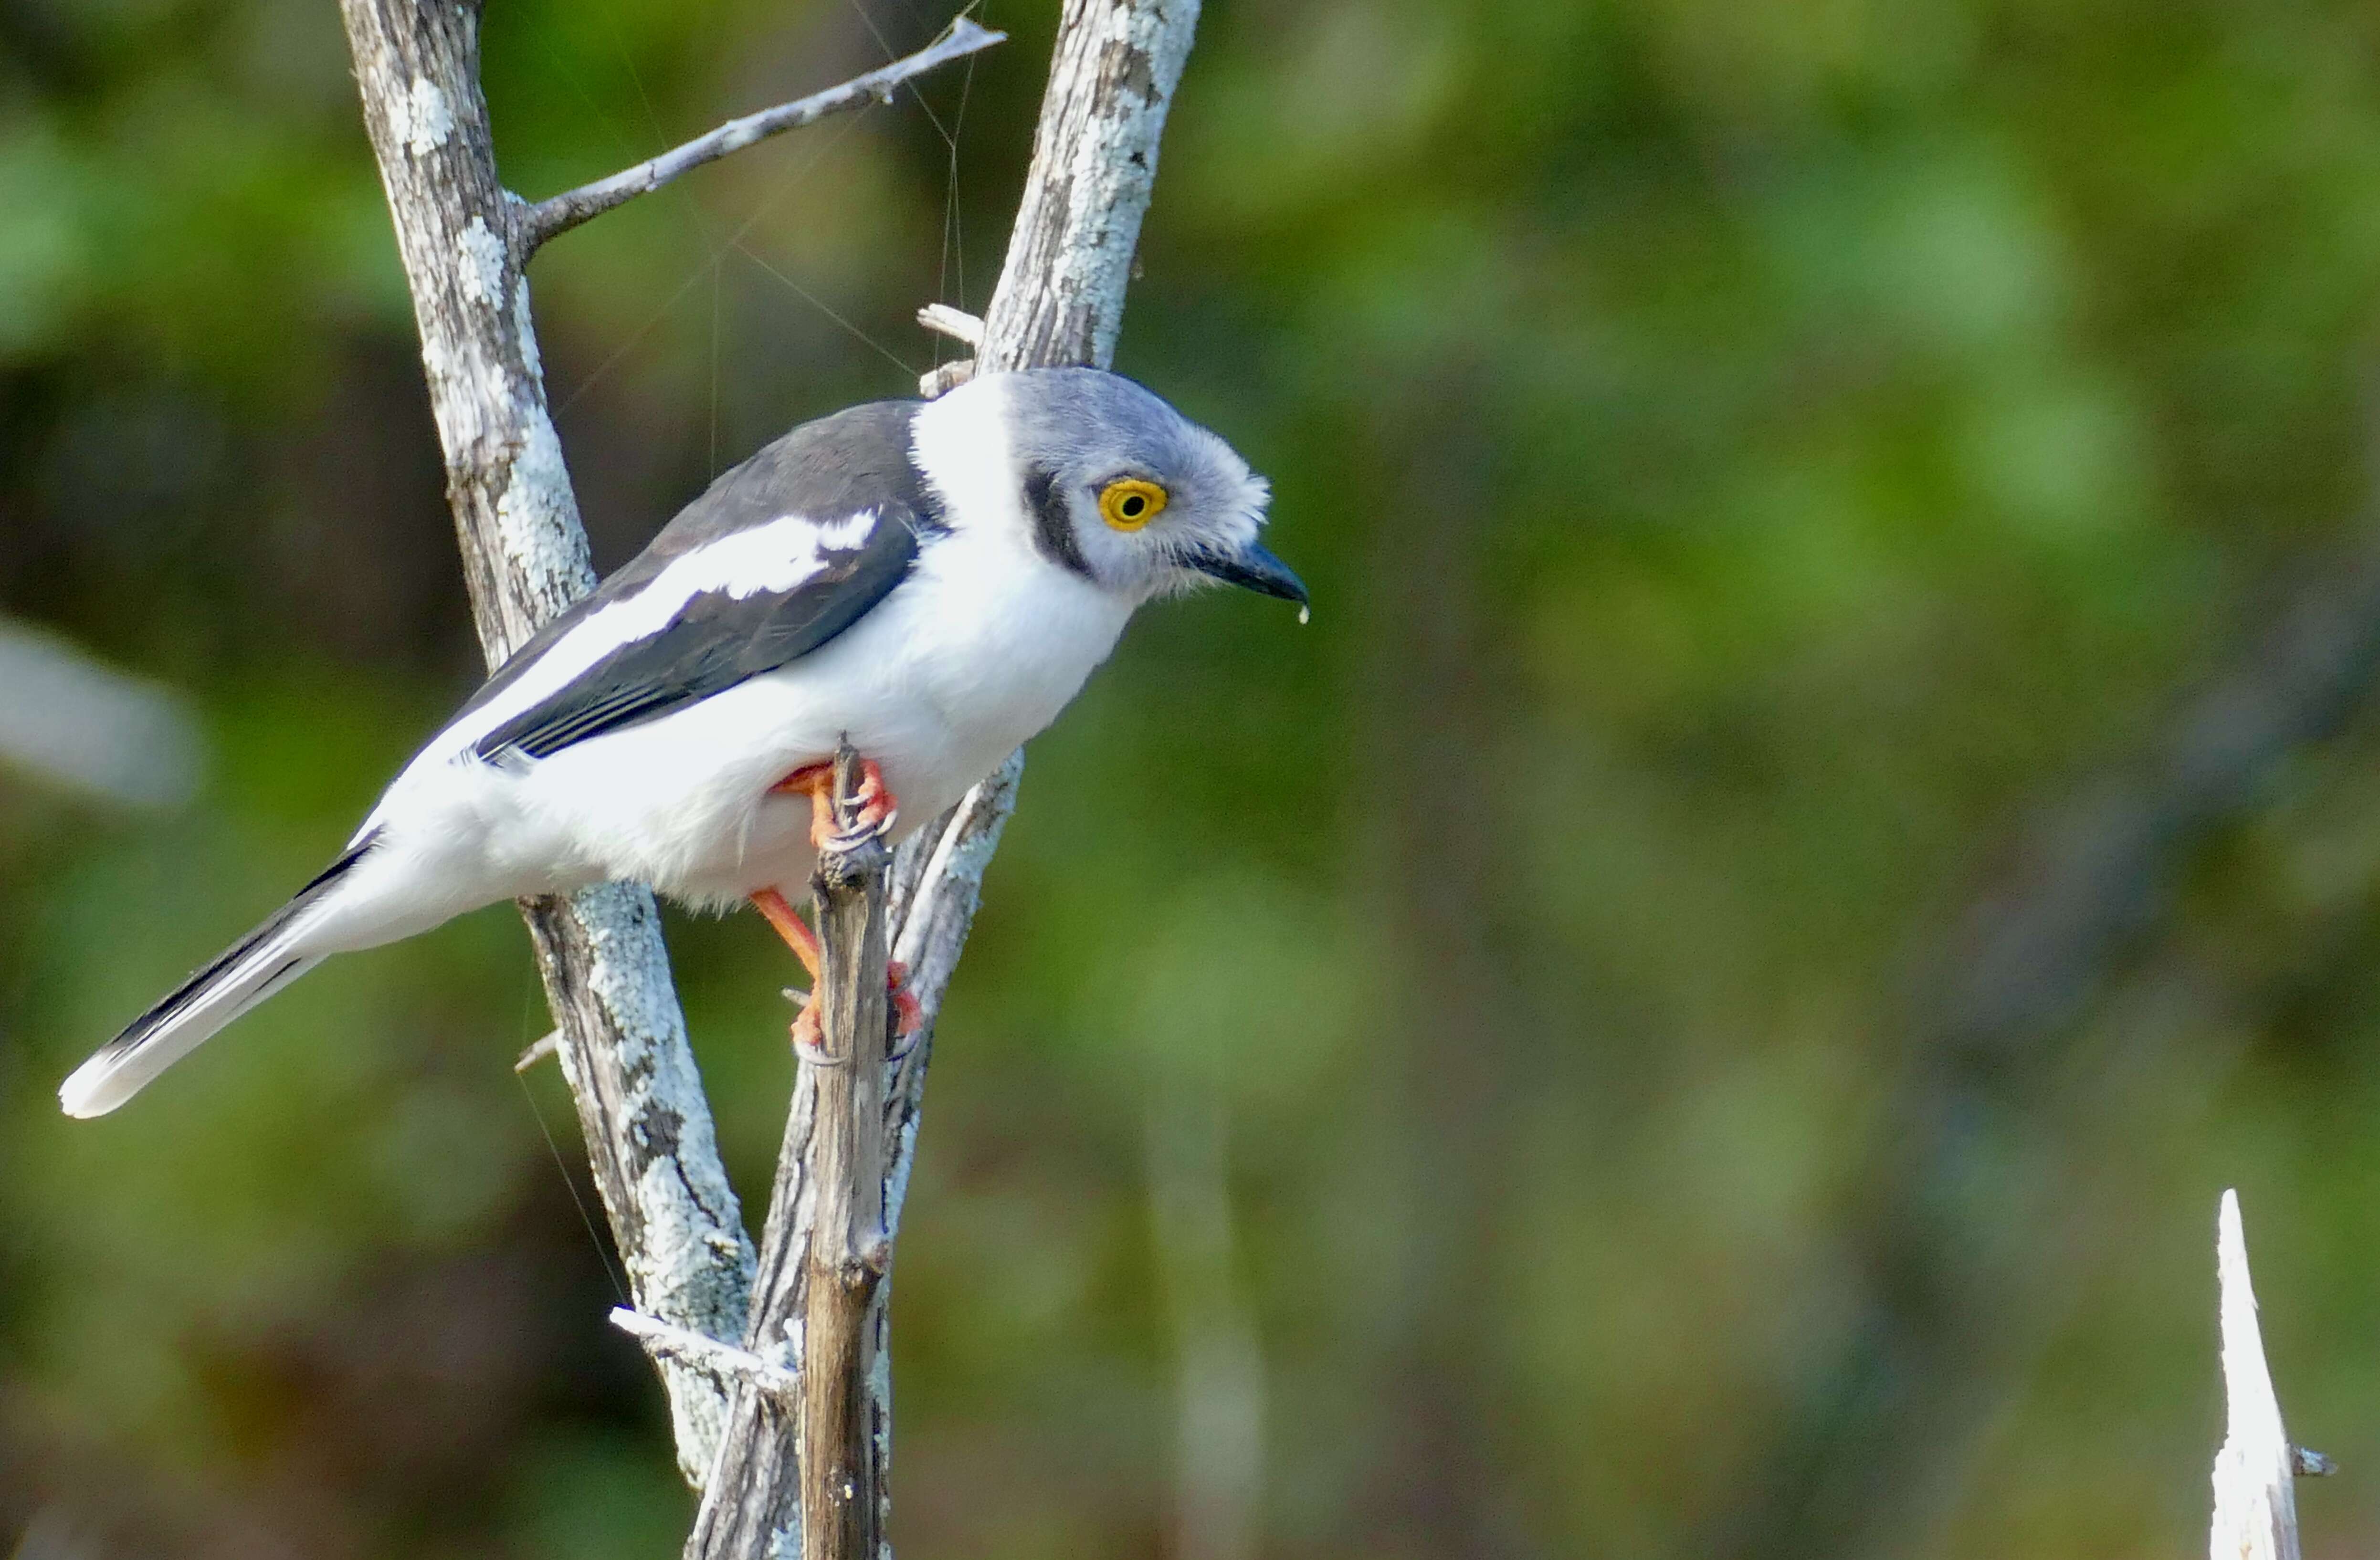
(849, 1248)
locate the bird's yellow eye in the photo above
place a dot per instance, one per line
(1128, 503)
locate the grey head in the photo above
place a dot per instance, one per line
(1128, 493)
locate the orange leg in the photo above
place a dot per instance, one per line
(790, 927)
(908, 1017)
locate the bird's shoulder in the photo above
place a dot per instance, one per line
(782, 552)
(823, 473)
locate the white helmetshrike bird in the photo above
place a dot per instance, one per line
(931, 581)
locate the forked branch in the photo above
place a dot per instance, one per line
(728, 1337)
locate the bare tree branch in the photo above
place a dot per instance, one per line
(621, 1038)
(1060, 292)
(1060, 300)
(623, 1041)
(560, 214)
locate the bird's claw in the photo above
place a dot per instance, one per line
(809, 1041)
(908, 1013)
(861, 833)
(878, 808)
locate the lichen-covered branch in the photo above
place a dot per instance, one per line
(622, 1037)
(1059, 299)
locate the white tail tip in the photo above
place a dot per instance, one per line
(87, 1093)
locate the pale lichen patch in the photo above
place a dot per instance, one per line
(482, 272)
(423, 119)
(538, 519)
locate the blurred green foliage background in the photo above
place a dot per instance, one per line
(1701, 1008)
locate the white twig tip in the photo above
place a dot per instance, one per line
(2255, 1511)
(955, 323)
(723, 1360)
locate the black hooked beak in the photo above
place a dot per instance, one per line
(1251, 568)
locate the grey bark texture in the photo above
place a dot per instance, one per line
(1060, 292)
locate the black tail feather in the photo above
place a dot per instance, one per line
(100, 1084)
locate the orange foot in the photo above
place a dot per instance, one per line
(878, 805)
(908, 1017)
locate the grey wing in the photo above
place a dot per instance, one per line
(714, 641)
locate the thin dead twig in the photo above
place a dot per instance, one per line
(558, 214)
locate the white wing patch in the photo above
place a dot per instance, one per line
(776, 557)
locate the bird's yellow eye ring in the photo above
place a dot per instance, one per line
(1128, 502)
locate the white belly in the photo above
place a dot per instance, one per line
(977, 651)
